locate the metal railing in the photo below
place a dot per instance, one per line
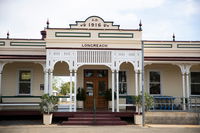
(171, 103)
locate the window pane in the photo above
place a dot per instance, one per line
(195, 77)
(122, 82)
(89, 88)
(154, 76)
(102, 73)
(154, 88)
(89, 73)
(25, 76)
(195, 89)
(102, 88)
(24, 88)
(122, 76)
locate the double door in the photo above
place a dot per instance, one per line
(96, 85)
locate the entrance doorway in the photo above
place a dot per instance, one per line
(96, 85)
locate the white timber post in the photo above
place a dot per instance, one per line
(187, 67)
(70, 105)
(1, 70)
(140, 82)
(117, 89)
(183, 71)
(113, 88)
(50, 81)
(46, 74)
(75, 88)
(136, 82)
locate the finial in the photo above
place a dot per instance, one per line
(173, 37)
(8, 35)
(140, 26)
(47, 23)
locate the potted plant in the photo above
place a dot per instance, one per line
(138, 102)
(108, 96)
(47, 106)
(81, 96)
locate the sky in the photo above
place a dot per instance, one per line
(160, 18)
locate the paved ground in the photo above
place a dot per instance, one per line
(99, 129)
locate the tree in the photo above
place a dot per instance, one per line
(65, 88)
(55, 83)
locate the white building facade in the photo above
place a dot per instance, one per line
(99, 56)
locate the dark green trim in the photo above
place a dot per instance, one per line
(149, 45)
(30, 96)
(100, 35)
(126, 96)
(184, 45)
(28, 43)
(20, 96)
(78, 34)
(2, 43)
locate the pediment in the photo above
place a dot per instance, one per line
(94, 22)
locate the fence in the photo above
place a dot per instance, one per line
(171, 103)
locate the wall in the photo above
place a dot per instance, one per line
(171, 79)
(10, 81)
(171, 118)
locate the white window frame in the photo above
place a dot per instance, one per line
(17, 91)
(191, 84)
(127, 81)
(161, 88)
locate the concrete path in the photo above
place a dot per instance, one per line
(99, 129)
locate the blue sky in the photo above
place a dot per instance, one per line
(160, 18)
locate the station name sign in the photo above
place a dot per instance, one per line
(95, 45)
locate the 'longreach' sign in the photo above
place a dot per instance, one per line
(94, 45)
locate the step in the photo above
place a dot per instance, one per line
(94, 123)
(92, 115)
(92, 118)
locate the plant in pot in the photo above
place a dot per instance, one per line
(80, 97)
(148, 104)
(48, 105)
(138, 102)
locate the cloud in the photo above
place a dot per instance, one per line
(25, 18)
(189, 7)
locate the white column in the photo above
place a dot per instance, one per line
(0, 82)
(117, 89)
(113, 88)
(183, 85)
(136, 82)
(187, 67)
(70, 105)
(187, 85)
(46, 91)
(1, 70)
(50, 81)
(75, 89)
(140, 82)
(188, 89)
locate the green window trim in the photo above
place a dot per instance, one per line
(77, 34)
(185, 45)
(149, 45)
(111, 35)
(28, 43)
(2, 43)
